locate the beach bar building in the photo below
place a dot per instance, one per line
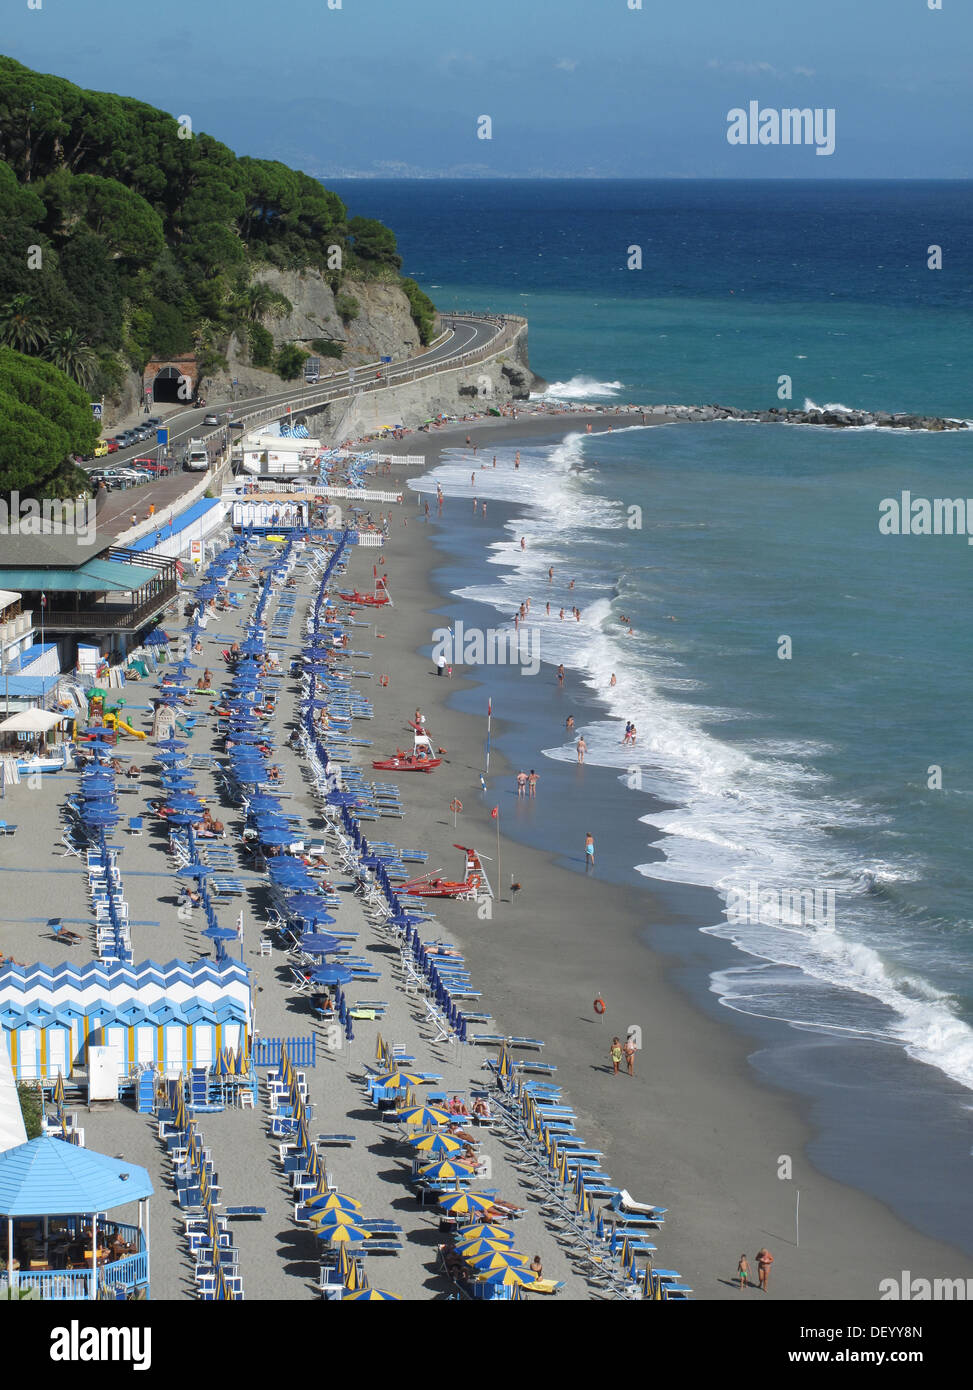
(57, 1236)
(166, 1018)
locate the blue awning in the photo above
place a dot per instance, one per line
(49, 1177)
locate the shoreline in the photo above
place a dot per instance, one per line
(716, 1117)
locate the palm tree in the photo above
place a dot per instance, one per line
(68, 351)
(19, 326)
(260, 300)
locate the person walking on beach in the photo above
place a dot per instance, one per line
(532, 784)
(629, 1049)
(743, 1272)
(517, 457)
(521, 783)
(613, 681)
(615, 1053)
(582, 748)
(589, 852)
(523, 542)
(764, 1260)
(550, 574)
(560, 674)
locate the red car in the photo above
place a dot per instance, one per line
(151, 465)
(112, 445)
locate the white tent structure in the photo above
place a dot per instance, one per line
(30, 721)
(12, 1131)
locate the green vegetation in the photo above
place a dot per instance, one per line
(422, 309)
(45, 417)
(261, 345)
(346, 307)
(327, 347)
(126, 236)
(31, 1107)
(289, 361)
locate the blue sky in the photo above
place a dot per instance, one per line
(571, 86)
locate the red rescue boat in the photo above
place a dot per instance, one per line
(406, 762)
(371, 600)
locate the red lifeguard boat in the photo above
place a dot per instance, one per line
(407, 762)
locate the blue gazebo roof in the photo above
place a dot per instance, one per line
(49, 1177)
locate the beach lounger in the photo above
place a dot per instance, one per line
(60, 933)
(626, 1202)
(247, 1213)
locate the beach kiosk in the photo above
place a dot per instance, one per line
(58, 1237)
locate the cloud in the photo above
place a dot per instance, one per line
(567, 64)
(805, 72)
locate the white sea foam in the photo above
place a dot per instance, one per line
(580, 388)
(758, 810)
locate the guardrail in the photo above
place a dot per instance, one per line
(508, 326)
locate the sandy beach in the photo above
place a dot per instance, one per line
(695, 1131)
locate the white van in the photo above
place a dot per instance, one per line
(197, 459)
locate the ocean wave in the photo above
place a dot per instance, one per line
(729, 812)
(579, 388)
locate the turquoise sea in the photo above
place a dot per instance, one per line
(827, 796)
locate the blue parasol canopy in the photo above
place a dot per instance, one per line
(158, 638)
(194, 871)
(332, 974)
(319, 943)
(219, 933)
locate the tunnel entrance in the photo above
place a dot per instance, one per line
(165, 386)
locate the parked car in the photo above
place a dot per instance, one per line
(151, 466)
(153, 422)
(101, 449)
(111, 445)
(127, 475)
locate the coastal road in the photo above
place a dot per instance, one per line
(463, 334)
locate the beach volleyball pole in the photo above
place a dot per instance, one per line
(489, 718)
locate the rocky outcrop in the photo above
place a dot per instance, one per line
(383, 326)
(835, 419)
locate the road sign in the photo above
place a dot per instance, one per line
(96, 409)
(162, 436)
(234, 382)
(386, 359)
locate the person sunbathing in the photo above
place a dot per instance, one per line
(481, 1111)
(456, 1107)
(536, 1268)
(458, 1133)
(235, 649)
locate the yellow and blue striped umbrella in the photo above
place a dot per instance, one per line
(395, 1080)
(59, 1091)
(337, 1233)
(503, 1063)
(334, 1216)
(464, 1202)
(508, 1276)
(499, 1259)
(352, 1278)
(434, 1142)
(446, 1168)
(425, 1115)
(370, 1296)
(332, 1201)
(380, 1048)
(486, 1231)
(479, 1246)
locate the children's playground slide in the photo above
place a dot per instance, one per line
(136, 733)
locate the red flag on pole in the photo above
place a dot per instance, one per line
(495, 812)
(490, 705)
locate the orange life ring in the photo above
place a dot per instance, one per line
(599, 1005)
(456, 804)
(383, 680)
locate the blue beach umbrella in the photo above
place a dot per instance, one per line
(220, 933)
(319, 943)
(195, 871)
(158, 638)
(170, 744)
(181, 818)
(277, 837)
(332, 975)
